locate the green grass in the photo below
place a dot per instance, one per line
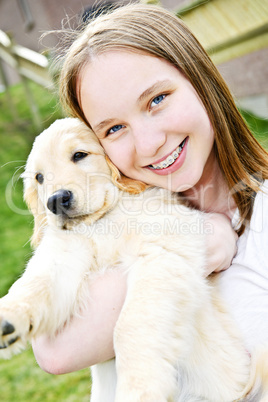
(20, 378)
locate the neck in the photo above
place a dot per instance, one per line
(211, 193)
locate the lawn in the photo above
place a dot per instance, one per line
(20, 378)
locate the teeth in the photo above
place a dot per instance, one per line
(170, 159)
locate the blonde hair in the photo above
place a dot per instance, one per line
(158, 32)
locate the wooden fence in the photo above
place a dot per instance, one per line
(29, 65)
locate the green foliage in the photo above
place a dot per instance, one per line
(21, 379)
(258, 126)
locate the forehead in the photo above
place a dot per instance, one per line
(114, 77)
(123, 65)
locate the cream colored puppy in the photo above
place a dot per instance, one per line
(173, 339)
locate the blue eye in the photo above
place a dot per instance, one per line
(115, 128)
(158, 99)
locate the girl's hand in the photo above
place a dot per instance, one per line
(221, 243)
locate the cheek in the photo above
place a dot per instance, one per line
(123, 164)
(192, 115)
(119, 154)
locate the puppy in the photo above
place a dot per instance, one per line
(173, 340)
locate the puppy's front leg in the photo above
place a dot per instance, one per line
(154, 329)
(44, 298)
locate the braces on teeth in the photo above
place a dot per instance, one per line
(170, 159)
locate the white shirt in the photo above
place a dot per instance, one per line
(244, 285)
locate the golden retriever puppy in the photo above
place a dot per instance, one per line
(173, 339)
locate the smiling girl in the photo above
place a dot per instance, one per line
(165, 117)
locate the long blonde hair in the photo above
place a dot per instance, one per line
(158, 32)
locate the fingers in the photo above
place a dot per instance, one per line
(221, 244)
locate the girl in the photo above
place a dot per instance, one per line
(165, 117)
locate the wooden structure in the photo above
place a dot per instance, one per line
(228, 28)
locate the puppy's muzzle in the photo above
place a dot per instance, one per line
(60, 202)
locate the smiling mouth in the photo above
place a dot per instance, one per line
(170, 159)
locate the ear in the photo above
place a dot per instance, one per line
(38, 211)
(124, 183)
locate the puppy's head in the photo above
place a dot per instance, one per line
(67, 178)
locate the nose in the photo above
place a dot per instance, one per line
(60, 202)
(148, 138)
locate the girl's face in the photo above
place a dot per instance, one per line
(148, 118)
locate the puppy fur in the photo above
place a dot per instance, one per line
(173, 341)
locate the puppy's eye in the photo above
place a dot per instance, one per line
(39, 177)
(78, 156)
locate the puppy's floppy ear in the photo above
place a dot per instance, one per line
(124, 183)
(37, 209)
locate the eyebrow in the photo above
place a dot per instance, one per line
(103, 124)
(159, 85)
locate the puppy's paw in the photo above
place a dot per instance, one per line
(15, 328)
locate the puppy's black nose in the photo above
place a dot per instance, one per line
(60, 202)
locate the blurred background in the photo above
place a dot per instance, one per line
(234, 32)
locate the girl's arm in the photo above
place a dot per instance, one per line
(88, 339)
